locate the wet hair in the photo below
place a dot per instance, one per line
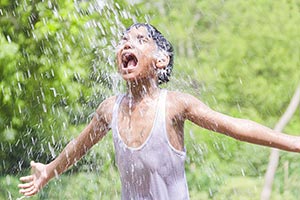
(164, 45)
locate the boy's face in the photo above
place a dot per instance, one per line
(136, 55)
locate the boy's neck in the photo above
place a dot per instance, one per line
(139, 89)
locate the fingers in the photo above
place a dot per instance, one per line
(28, 188)
(29, 191)
(30, 177)
(25, 185)
(26, 178)
(33, 164)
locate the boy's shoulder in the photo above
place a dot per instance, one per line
(179, 103)
(106, 106)
(179, 96)
(175, 93)
(180, 99)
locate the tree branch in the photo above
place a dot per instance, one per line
(274, 157)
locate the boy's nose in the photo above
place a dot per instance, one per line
(127, 45)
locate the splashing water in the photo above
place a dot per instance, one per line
(59, 67)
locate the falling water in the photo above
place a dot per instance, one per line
(63, 57)
(57, 64)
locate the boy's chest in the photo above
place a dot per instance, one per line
(135, 124)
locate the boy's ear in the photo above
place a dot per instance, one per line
(162, 61)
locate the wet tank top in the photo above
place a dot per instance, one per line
(154, 170)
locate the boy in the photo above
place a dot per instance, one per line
(147, 125)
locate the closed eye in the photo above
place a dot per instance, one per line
(142, 38)
(124, 38)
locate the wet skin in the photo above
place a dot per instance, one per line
(137, 59)
(141, 100)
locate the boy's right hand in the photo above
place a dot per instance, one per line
(33, 183)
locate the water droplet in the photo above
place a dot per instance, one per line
(8, 39)
(54, 91)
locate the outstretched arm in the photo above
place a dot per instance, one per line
(95, 131)
(241, 129)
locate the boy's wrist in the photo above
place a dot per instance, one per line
(50, 171)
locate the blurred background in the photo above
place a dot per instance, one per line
(57, 64)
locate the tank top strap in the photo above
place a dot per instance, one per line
(159, 121)
(162, 105)
(115, 112)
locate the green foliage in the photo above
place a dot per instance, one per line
(241, 58)
(76, 186)
(55, 62)
(8, 189)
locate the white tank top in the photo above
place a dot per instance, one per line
(155, 170)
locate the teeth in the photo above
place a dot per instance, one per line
(128, 58)
(125, 57)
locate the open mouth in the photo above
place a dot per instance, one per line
(129, 60)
